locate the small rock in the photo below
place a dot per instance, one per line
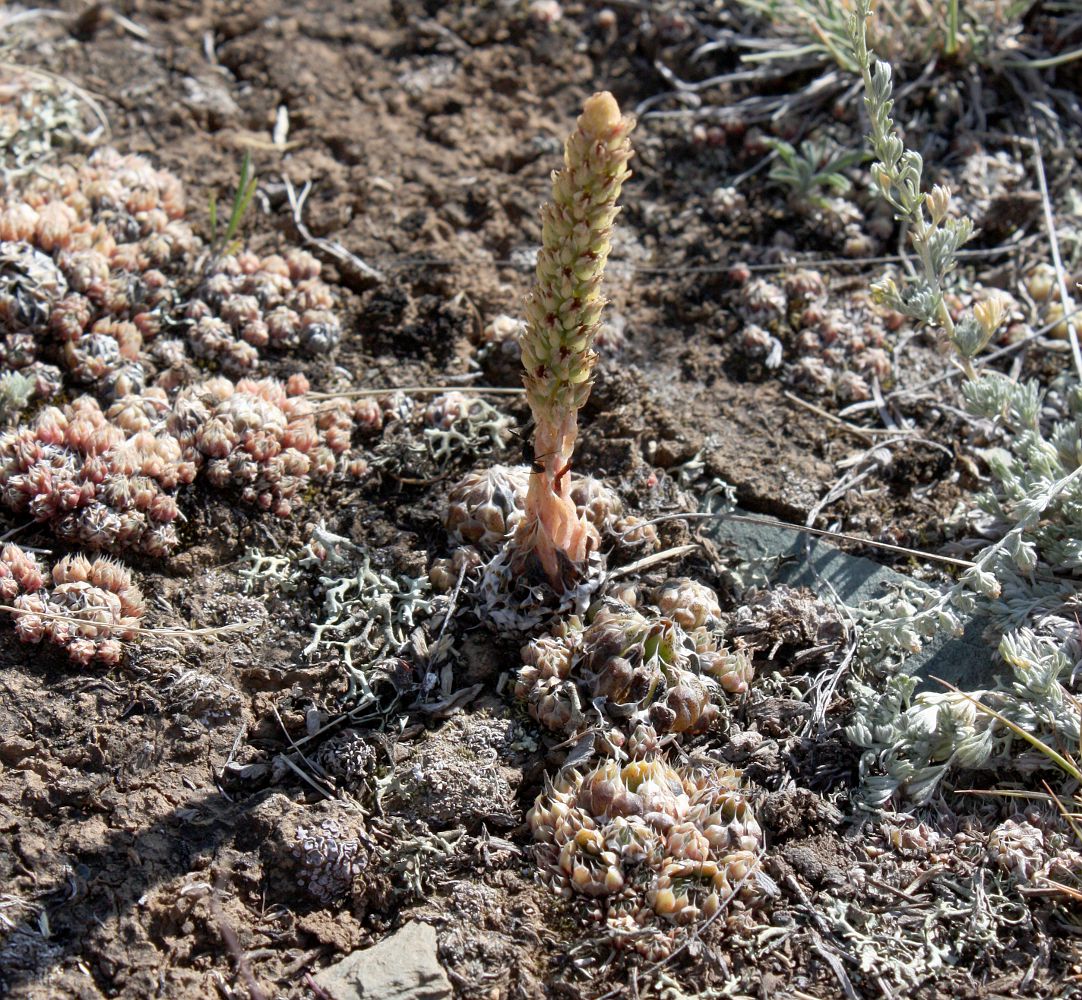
(14, 748)
(402, 966)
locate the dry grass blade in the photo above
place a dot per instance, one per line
(1067, 890)
(213, 630)
(417, 390)
(652, 560)
(1065, 764)
(1071, 818)
(1053, 241)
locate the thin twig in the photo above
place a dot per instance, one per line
(772, 523)
(1007, 248)
(303, 775)
(652, 560)
(136, 629)
(864, 433)
(417, 390)
(232, 942)
(332, 249)
(1053, 240)
(17, 530)
(835, 964)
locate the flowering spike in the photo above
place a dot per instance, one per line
(562, 314)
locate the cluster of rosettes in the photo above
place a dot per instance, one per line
(665, 668)
(102, 480)
(89, 258)
(348, 758)
(262, 437)
(1035, 849)
(485, 506)
(659, 844)
(94, 263)
(106, 480)
(823, 349)
(90, 608)
(247, 302)
(27, 279)
(327, 861)
(20, 573)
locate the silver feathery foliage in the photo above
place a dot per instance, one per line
(1024, 581)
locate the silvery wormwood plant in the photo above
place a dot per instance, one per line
(1024, 582)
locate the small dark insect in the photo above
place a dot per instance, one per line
(526, 434)
(538, 462)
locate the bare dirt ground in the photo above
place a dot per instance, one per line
(148, 812)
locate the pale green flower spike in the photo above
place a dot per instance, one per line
(562, 315)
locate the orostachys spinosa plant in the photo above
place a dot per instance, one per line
(562, 317)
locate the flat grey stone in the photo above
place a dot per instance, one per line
(966, 661)
(402, 966)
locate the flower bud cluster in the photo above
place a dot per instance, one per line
(665, 669)
(90, 607)
(564, 310)
(563, 313)
(499, 341)
(660, 845)
(820, 348)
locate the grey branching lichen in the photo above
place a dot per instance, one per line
(458, 424)
(366, 617)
